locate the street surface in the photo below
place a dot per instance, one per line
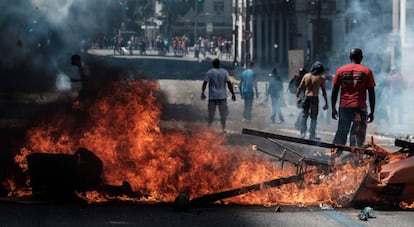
(54, 215)
(184, 107)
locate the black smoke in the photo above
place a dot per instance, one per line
(39, 36)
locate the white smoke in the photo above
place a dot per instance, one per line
(55, 12)
(63, 82)
(369, 27)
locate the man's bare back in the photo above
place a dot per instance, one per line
(312, 83)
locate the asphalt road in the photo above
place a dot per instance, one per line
(54, 215)
(185, 106)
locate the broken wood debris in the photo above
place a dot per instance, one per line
(369, 149)
(211, 198)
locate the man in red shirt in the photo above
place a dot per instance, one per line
(397, 87)
(354, 80)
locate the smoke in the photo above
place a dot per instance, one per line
(369, 27)
(55, 12)
(39, 36)
(63, 82)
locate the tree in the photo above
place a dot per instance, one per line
(174, 9)
(138, 12)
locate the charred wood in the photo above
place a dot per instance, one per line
(211, 198)
(405, 145)
(365, 150)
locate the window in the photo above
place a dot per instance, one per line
(324, 5)
(218, 6)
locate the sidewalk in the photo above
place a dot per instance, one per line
(150, 53)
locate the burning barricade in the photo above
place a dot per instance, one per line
(127, 155)
(387, 181)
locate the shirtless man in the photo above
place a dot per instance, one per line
(311, 82)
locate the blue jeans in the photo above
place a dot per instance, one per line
(354, 119)
(248, 105)
(276, 109)
(223, 110)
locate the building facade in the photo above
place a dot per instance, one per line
(406, 22)
(208, 18)
(323, 30)
(268, 31)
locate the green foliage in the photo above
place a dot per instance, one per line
(177, 7)
(174, 9)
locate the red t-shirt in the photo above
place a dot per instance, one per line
(397, 83)
(354, 80)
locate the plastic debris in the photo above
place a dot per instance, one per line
(325, 206)
(366, 213)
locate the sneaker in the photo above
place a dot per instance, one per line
(245, 121)
(315, 138)
(272, 118)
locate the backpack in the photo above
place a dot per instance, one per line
(294, 84)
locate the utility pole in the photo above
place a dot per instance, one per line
(395, 31)
(317, 32)
(195, 20)
(247, 33)
(235, 32)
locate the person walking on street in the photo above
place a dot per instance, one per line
(248, 87)
(217, 80)
(275, 90)
(354, 80)
(311, 83)
(397, 87)
(82, 77)
(328, 76)
(292, 88)
(295, 81)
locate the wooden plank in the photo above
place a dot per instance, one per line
(211, 198)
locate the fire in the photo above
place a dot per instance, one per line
(122, 127)
(405, 205)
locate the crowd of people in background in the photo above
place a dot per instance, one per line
(390, 87)
(217, 46)
(179, 45)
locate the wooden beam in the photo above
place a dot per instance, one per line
(211, 198)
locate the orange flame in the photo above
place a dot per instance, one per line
(122, 128)
(405, 205)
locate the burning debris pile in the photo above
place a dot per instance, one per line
(134, 159)
(387, 181)
(121, 127)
